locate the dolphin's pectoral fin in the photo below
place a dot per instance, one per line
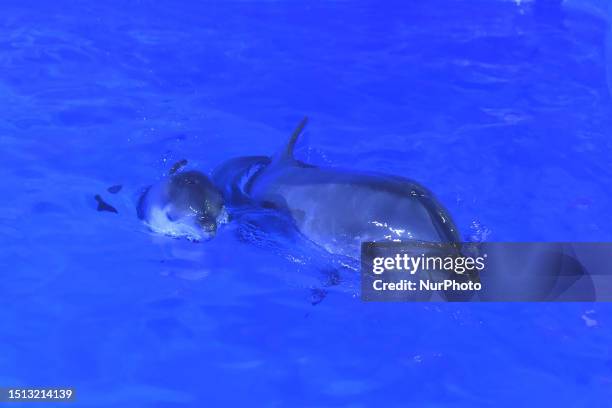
(287, 153)
(177, 166)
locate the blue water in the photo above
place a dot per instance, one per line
(502, 109)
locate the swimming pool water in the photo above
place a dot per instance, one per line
(502, 109)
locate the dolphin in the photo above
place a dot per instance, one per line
(337, 209)
(184, 204)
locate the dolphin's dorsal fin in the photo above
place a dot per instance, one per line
(287, 152)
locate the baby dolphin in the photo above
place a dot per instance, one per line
(184, 204)
(335, 208)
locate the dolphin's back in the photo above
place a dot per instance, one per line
(340, 209)
(334, 208)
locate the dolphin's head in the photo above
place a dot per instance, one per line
(193, 195)
(185, 204)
